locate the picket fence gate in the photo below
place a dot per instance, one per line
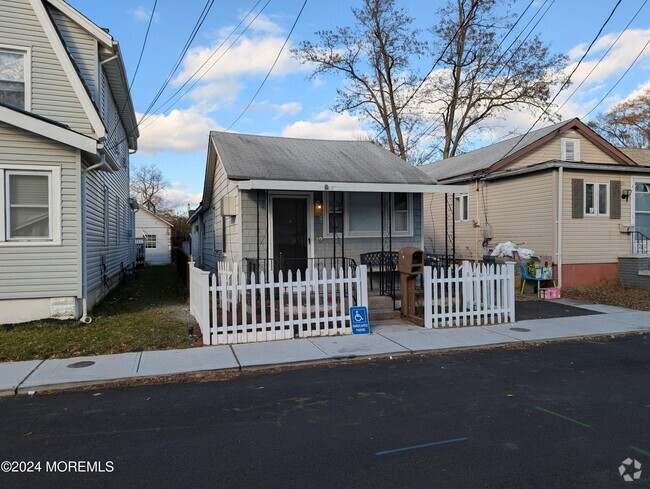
(232, 308)
(468, 295)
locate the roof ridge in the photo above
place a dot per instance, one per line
(269, 136)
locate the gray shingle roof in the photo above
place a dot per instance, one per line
(247, 157)
(484, 158)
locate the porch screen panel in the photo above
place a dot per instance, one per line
(29, 205)
(400, 212)
(364, 212)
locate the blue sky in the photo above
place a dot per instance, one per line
(176, 137)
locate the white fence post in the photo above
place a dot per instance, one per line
(428, 306)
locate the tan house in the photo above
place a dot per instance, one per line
(562, 191)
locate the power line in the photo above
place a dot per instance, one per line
(619, 80)
(195, 30)
(163, 107)
(566, 82)
(601, 59)
(135, 73)
(272, 66)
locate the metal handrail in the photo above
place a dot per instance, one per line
(641, 243)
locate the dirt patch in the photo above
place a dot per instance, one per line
(611, 295)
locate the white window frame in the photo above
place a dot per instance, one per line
(360, 234)
(461, 202)
(576, 148)
(27, 52)
(54, 177)
(146, 241)
(596, 195)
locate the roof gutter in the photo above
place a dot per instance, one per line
(348, 186)
(568, 166)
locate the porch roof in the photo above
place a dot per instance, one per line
(248, 157)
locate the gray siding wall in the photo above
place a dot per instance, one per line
(52, 95)
(354, 247)
(106, 257)
(43, 271)
(212, 244)
(82, 46)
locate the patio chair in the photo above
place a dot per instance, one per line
(525, 277)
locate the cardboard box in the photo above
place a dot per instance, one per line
(550, 293)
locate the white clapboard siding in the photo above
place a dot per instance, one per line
(469, 295)
(238, 309)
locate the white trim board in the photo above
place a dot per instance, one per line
(48, 130)
(68, 68)
(348, 187)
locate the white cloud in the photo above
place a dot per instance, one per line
(143, 14)
(180, 130)
(328, 125)
(288, 108)
(180, 199)
(178, 184)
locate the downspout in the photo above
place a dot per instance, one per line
(478, 222)
(84, 251)
(560, 218)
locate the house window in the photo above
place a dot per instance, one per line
(362, 215)
(30, 205)
(150, 241)
(461, 208)
(596, 196)
(570, 149)
(224, 239)
(14, 77)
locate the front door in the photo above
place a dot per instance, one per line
(290, 234)
(641, 217)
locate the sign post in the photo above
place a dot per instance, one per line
(359, 320)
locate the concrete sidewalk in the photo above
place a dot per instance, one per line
(387, 338)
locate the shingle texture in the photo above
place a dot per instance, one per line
(484, 158)
(247, 157)
(639, 156)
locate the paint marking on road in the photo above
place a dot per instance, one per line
(641, 451)
(562, 416)
(425, 445)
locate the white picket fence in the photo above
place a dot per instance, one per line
(468, 295)
(239, 309)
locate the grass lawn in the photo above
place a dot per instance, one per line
(147, 313)
(612, 295)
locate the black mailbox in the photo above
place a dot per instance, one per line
(411, 261)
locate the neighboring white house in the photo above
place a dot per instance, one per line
(157, 234)
(67, 126)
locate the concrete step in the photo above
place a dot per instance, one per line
(379, 302)
(383, 314)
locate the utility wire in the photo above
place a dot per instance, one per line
(164, 106)
(135, 73)
(602, 58)
(619, 80)
(566, 82)
(272, 66)
(195, 30)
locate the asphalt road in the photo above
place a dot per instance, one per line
(558, 415)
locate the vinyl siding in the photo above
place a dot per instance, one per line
(212, 247)
(518, 209)
(52, 95)
(594, 239)
(145, 223)
(589, 152)
(43, 271)
(82, 46)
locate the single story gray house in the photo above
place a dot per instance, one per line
(273, 203)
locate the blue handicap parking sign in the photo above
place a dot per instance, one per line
(359, 320)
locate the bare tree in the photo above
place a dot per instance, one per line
(376, 58)
(147, 186)
(479, 78)
(627, 123)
